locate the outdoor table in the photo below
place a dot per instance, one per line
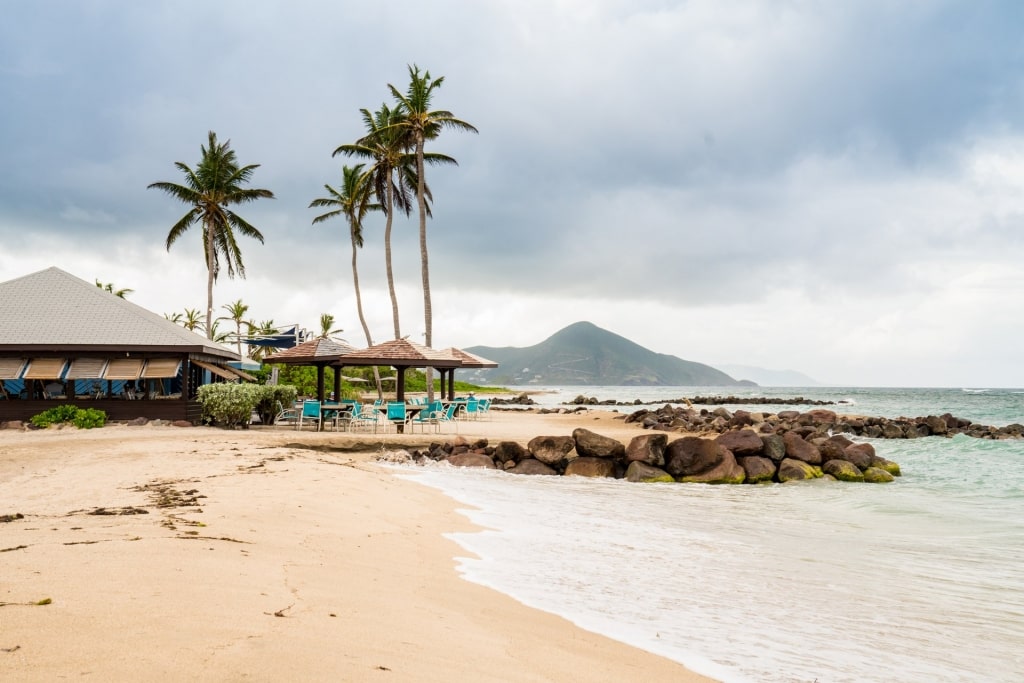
(411, 411)
(328, 408)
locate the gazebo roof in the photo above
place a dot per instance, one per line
(321, 350)
(400, 353)
(470, 360)
(52, 310)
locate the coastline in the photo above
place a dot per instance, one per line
(278, 555)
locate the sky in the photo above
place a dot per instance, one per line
(835, 188)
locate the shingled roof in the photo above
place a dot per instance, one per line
(469, 360)
(52, 310)
(400, 353)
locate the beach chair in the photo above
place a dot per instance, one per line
(449, 416)
(396, 414)
(484, 408)
(363, 416)
(472, 410)
(288, 415)
(428, 416)
(310, 413)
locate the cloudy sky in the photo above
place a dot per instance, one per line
(835, 188)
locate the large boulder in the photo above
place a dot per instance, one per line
(795, 470)
(471, 460)
(727, 471)
(551, 450)
(642, 472)
(860, 454)
(592, 445)
(757, 468)
(887, 465)
(822, 416)
(936, 424)
(589, 466)
(532, 466)
(831, 450)
(798, 449)
(692, 455)
(773, 447)
(842, 470)
(741, 442)
(509, 451)
(876, 475)
(648, 449)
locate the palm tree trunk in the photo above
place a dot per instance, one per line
(359, 310)
(424, 265)
(387, 260)
(209, 281)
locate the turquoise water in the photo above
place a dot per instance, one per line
(919, 580)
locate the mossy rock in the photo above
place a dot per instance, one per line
(843, 470)
(887, 465)
(647, 474)
(876, 475)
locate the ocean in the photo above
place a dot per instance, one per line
(918, 580)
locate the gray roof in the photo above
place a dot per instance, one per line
(54, 310)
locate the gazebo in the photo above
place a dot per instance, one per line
(319, 352)
(400, 354)
(469, 360)
(62, 338)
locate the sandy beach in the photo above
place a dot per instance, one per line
(200, 554)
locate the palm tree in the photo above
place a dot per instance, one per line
(215, 185)
(237, 311)
(175, 318)
(214, 334)
(267, 327)
(392, 176)
(191, 320)
(352, 202)
(419, 123)
(109, 287)
(327, 329)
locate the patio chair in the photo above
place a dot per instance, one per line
(310, 413)
(288, 415)
(336, 413)
(429, 415)
(472, 411)
(449, 416)
(396, 413)
(484, 409)
(363, 417)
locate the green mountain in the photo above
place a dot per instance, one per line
(585, 354)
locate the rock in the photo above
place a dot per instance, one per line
(757, 468)
(773, 447)
(887, 465)
(138, 422)
(692, 455)
(531, 466)
(842, 470)
(876, 475)
(936, 424)
(468, 459)
(592, 445)
(728, 471)
(822, 416)
(860, 454)
(182, 423)
(798, 449)
(648, 449)
(741, 442)
(551, 450)
(590, 466)
(722, 413)
(831, 450)
(12, 424)
(510, 451)
(642, 472)
(795, 470)
(891, 430)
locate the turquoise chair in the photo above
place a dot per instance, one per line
(484, 408)
(429, 415)
(396, 413)
(363, 417)
(472, 409)
(449, 416)
(310, 413)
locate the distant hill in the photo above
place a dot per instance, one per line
(770, 378)
(585, 354)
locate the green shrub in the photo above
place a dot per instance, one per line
(273, 399)
(83, 418)
(229, 405)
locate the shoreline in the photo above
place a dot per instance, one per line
(259, 543)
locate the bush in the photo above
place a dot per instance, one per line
(83, 418)
(273, 399)
(228, 405)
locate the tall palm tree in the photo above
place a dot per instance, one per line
(215, 185)
(384, 146)
(109, 287)
(352, 202)
(420, 123)
(236, 313)
(392, 176)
